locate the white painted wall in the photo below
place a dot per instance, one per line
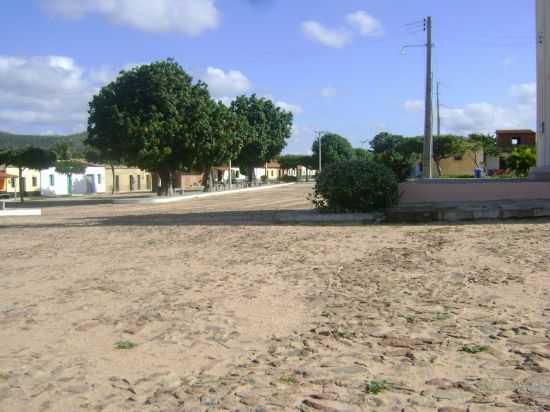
(94, 175)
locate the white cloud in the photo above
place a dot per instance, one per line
(365, 23)
(190, 17)
(487, 117)
(315, 31)
(224, 85)
(41, 93)
(328, 91)
(293, 108)
(413, 105)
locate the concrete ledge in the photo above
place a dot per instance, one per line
(173, 199)
(469, 211)
(472, 190)
(20, 212)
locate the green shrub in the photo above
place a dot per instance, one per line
(356, 186)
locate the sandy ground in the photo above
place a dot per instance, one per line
(230, 312)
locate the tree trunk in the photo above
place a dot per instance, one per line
(208, 180)
(307, 174)
(114, 178)
(439, 170)
(166, 183)
(21, 185)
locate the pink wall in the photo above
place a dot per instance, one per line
(439, 191)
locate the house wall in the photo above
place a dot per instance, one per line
(525, 137)
(471, 190)
(91, 181)
(462, 166)
(129, 180)
(31, 176)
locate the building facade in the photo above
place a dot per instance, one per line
(127, 180)
(57, 184)
(31, 180)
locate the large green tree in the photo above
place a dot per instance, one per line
(223, 140)
(154, 117)
(27, 158)
(271, 127)
(334, 149)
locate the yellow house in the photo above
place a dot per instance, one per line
(461, 165)
(127, 180)
(31, 180)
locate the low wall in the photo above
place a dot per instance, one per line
(472, 190)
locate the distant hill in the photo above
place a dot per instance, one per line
(12, 141)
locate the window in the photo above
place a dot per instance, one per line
(52, 180)
(272, 173)
(98, 179)
(516, 141)
(117, 183)
(458, 158)
(139, 183)
(13, 182)
(34, 181)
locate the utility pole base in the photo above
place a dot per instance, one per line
(541, 174)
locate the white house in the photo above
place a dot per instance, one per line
(56, 184)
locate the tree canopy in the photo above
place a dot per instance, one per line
(397, 152)
(153, 117)
(334, 149)
(447, 146)
(270, 128)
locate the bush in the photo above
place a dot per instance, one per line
(356, 186)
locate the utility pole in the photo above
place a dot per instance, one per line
(438, 115)
(428, 122)
(230, 174)
(319, 141)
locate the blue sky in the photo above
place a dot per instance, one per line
(336, 64)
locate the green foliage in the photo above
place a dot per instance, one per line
(485, 142)
(153, 117)
(291, 161)
(125, 345)
(334, 149)
(398, 153)
(70, 167)
(28, 157)
(270, 128)
(362, 154)
(375, 387)
(522, 160)
(474, 349)
(356, 186)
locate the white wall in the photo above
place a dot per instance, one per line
(94, 175)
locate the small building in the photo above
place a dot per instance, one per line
(127, 180)
(5, 178)
(507, 141)
(57, 184)
(512, 138)
(31, 181)
(272, 170)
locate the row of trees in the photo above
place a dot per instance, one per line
(156, 118)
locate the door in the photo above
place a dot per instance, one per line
(70, 184)
(90, 184)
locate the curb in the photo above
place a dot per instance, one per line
(173, 199)
(20, 212)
